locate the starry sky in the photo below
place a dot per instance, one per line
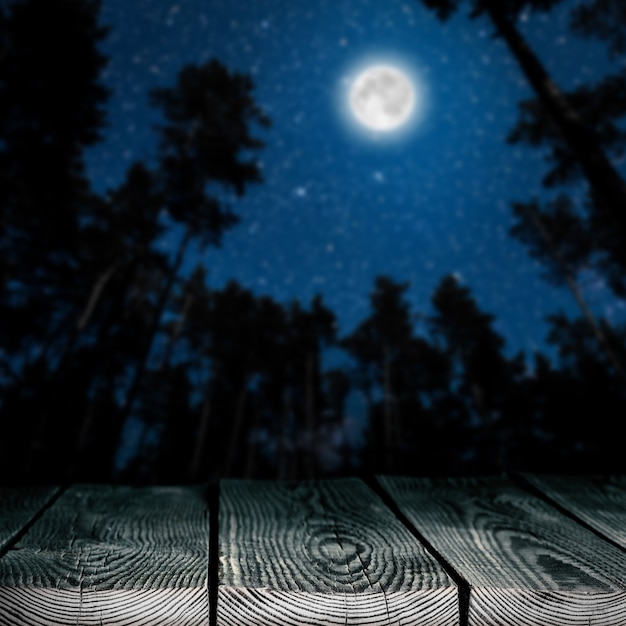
(339, 206)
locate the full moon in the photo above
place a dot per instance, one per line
(382, 98)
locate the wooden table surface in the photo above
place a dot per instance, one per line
(534, 550)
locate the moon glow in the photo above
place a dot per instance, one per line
(382, 98)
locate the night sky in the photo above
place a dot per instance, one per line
(339, 205)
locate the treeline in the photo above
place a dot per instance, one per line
(100, 329)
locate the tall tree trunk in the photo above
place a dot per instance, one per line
(154, 328)
(608, 187)
(166, 419)
(388, 426)
(76, 463)
(346, 461)
(234, 444)
(202, 432)
(177, 330)
(282, 453)
(104, 370)
(573, 287)
(253, 446)
(487, 426)
(95, 295)
(50, 384)
(203, 428)
(373, 442)
(35, 374)
(311, 450)
(64, 326)
(87, 312)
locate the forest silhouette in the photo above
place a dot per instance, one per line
(100, 327)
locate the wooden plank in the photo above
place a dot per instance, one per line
(323, 553)
(524, 561)
(598, 501)
(111, 555)
(18, 507)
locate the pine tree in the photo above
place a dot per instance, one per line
(601, 105)
(170, 421)
(602, 19)
(236, 349)
(205, 141)
(51, 109)
(196, 331)
(272, 336)
(586, 387)
(310, 333)
(486, 379)
(379, 345)
(337, 387)
(118, 236)
(608, 189)
(116, 243)
(558, 239)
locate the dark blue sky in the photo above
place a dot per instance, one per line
(339, 207)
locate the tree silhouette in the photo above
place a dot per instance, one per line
(196, 330)
(206, 140)
(310, 333)
(581, 132)
(115, 239)
(51, 103)
(99, 326)
(559, 240)
(236, 348)
(585, 399)
(603, 19)
(271, 336)
(337, 387)
(608, 189)
(116, 245)
(485, 379)
(379, 345)
(567, 238)
(51, 109)
(602, 106)
(233, 338)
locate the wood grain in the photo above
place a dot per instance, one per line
(525, 563)
(18, 507)
(112, 555)
(598, 501)
(323, 553)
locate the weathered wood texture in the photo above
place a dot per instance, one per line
(18, 507)
(598, 501)
(316, 553)
(111, 555)
(323, 553)
(526, 563)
